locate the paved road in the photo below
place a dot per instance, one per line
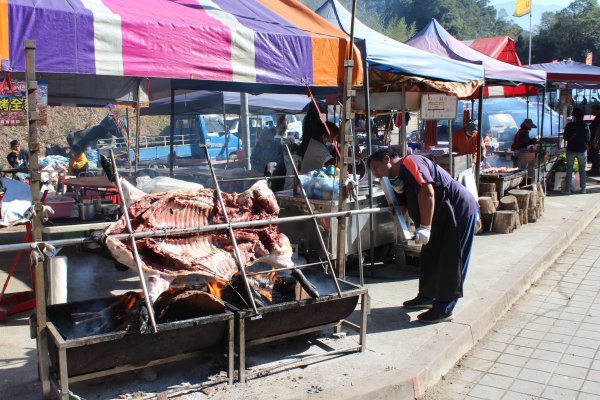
(546, 346)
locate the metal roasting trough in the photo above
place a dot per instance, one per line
(75, 357)
(300, 317)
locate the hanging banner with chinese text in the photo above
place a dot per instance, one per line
(13, 103)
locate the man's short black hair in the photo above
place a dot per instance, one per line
(13, 143)
(380, 154)
(577, 112)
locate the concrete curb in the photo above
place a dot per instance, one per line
(452, 341)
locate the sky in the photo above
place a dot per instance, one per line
(538, 7)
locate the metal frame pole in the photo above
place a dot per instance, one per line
(136, 255)
(36, 222)
(479, 138)
(236, 250)
(450, 155)
(245, 124)
(227, 135)
(541, 133)
(403, 138)
(137, 126)
(314, 219)
(172, 134)
(346, 138)
(369, 151)
(197, 229)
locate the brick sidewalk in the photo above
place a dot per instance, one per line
(546, 346)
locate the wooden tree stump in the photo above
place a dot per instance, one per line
(486, 187)
(492, 195)
(504, 222)
(532, 212)
(509, 203)
(486, 205)
(522, 197)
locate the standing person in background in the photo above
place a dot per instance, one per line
(594, 138)
(465, 140)
(577, 135)
(18, 159)
(268, 153)
(320, 148)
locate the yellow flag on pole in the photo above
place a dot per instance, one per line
(522, 7)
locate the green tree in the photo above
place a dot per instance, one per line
(569, 33)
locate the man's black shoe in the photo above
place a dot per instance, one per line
(418, 302)
(433, 316)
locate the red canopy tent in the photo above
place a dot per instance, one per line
(501, 48)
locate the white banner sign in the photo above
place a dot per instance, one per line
(436, 106)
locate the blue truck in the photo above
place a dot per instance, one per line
(192, 132)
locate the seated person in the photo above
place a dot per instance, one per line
(266, 153)
(18, 159)
(318, 153)
(522, 140)
(464, 141)
(78, 162)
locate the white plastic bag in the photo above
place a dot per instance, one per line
(164, 184)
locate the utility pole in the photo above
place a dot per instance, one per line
(530, 32)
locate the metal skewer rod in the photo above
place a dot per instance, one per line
(236, 250)
(257, 178)
(197, 229)
(287, 268)
(136, 255)
(314, 219)
(356, 205)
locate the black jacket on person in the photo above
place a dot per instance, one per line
(19, 162)
(577, 135)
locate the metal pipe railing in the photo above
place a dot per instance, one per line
(5, 248)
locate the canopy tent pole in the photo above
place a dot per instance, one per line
(245, 124)
(226, 129)
(36, 220)
(403, 140)
(527, 91)
(346, 139)
(450, 158)
(172, 134)
(137, 126)
(479, 139)
(129, 141)
(541, 134)
(369, 151)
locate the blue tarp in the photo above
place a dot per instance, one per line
(208, 102)
(389, 55)
(436, 40)
(569, 71)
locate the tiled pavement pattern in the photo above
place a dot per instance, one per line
(546, 346)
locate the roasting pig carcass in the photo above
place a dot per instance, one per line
(208, 254)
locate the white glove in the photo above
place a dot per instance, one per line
(422, 234)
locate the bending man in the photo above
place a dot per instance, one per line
(446, 215)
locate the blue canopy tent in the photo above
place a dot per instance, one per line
(569, 71)
(436, 40)
(389, 55)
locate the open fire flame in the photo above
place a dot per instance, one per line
(261, 283)
(216, 287)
